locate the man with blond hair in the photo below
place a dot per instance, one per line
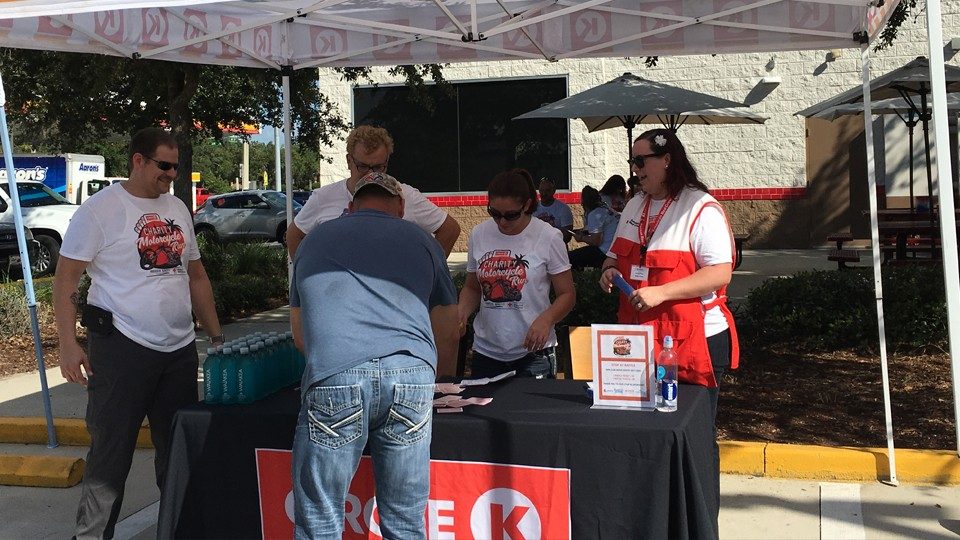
(368, 150)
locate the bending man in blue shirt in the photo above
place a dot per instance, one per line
(375, 312)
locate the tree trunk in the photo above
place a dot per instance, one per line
(181, 87)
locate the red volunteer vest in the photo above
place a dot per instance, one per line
(670, 257)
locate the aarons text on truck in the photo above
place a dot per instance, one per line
(73, 176)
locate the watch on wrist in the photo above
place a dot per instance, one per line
(218, 339)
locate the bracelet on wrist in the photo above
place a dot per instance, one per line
(605, 268)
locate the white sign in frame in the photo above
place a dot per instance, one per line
(623, 366)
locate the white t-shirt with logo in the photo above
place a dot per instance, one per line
(557, 214)
(514, 274)
(138, 251)
(331, 201)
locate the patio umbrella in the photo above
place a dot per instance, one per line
(630, 100)
(901, 107)
(911, 83)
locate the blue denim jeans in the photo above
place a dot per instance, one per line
(540, 364)
(388, 402)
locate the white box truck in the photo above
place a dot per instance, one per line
(74, 176)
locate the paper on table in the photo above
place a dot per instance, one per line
(487, 380)
(448, 388)
(457, 401)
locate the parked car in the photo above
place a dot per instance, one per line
(202, 195)
(301, 196)
(46, 213)
(244, 215)
(10, 250)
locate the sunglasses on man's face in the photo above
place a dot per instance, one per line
(638, 160)
(509, 216)
(164, 165)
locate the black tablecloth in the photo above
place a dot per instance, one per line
(633, 474)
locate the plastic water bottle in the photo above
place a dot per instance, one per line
(667, 374)
(228, 374)
(212, 379)
(245, 376)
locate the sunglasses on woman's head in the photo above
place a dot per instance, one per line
(163, 165)
(509, 216)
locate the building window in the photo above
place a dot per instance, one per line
(457, 137)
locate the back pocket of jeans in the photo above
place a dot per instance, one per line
(411, 412)
(335, 415)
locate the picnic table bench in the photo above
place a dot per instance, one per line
(840, 255)
(738, 239)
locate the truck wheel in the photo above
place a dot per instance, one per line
(47, 254)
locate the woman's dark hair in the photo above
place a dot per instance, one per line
(680, 173)
(590, 199)
(616, 186)
(633, 185)
(515, 184)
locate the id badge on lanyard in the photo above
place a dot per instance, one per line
(640, 271)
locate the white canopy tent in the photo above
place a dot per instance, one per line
(296, 34)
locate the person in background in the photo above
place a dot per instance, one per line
(136, 242)
(552, 211)
(368, 150)
(614, 193)
(633, 187)
(674, 246)
(375, 336)
(512, 262)
(600, 226)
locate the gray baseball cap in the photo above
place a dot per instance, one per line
(384, 180)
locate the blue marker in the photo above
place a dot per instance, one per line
(622, 285)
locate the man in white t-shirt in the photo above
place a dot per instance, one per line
(136, 242)
(554, 212)
(369, 149)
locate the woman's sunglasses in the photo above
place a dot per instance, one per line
(638, 160)
(163, 165)
(509, 216)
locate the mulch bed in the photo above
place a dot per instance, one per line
(777, 395)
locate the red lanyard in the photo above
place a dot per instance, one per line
(644, 230)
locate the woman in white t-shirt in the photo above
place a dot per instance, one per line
(512, 262)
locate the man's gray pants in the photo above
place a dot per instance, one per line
(129, 382)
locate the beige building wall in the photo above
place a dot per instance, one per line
(787, 182)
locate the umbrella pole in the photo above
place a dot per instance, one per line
(286, 72)
(925, 118)
(911, 123)
(629, 125)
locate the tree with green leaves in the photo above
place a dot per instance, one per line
(66, 102)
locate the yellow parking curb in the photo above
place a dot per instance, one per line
(838, 463)
(70, 432)
(40, 471)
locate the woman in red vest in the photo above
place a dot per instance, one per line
(674, 246)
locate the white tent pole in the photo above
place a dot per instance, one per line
(875, 247)
(948, 227)
(25, 266)
(288, 154)
(276, 156)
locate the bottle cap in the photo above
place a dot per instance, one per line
(244, 350)
(668, 341)
(228, 350)
(211, 351)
